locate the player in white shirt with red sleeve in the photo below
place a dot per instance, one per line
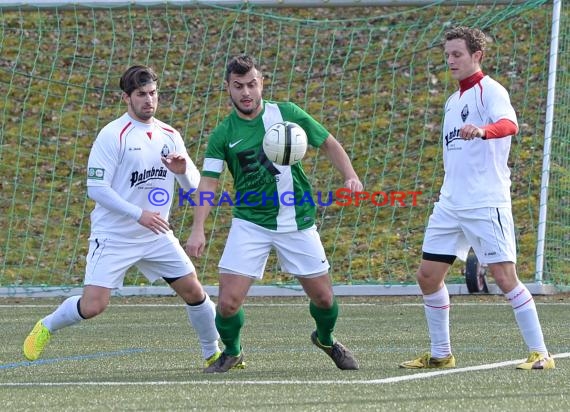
(131, 174)
(474, 207)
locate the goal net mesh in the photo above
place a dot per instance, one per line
(374, 76)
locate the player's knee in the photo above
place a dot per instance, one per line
(192, 295)
(188, 287)
(91, 309)
(433, 269)
(422, 275)
(323, 298)
(194, 299)
(429, 281)
(228, 307)
(505, 275)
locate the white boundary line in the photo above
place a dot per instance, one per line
(395, 379)
(290, 304)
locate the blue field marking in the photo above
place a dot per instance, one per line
(72, 358)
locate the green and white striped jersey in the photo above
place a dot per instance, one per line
(264, 190)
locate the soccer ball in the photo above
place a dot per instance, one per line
(285, 143)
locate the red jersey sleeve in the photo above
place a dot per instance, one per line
(502, 128)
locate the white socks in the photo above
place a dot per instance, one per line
(527, 318)
(65, 315)
(202, 318)
(436, 307)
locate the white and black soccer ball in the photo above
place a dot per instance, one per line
(285, 143)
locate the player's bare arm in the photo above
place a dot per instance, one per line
(340, 160)
(197, 239)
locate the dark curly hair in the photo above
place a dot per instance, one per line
(475, 39)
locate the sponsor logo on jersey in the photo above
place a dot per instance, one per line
(95, 173)
(138, 178)
(465, 113)
(451, 136)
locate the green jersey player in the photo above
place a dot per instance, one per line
(262, 220)
(262, 187)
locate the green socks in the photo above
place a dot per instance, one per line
(325, 320)
(229, 329)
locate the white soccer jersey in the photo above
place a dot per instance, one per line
(476, 171)
(126, 156)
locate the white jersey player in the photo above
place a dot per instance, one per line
(127, 174)
(131, 172)
(474, 208)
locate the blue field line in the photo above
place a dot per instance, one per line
(72, 358)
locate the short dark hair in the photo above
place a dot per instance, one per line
(241, 65)
(135, 77)
(475, 39)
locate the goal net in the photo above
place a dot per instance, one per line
(374, 76)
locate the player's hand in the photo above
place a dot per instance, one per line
(175, 162)
(354, 184)
(195, 243)
(153, 221)
(470, 132)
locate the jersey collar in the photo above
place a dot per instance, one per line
(471, 81)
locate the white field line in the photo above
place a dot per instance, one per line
(395, 379)
(166, 305)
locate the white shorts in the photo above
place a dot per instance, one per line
(108, 260)
(300, 253)
(490, 231)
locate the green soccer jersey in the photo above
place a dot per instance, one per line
(272, 196)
